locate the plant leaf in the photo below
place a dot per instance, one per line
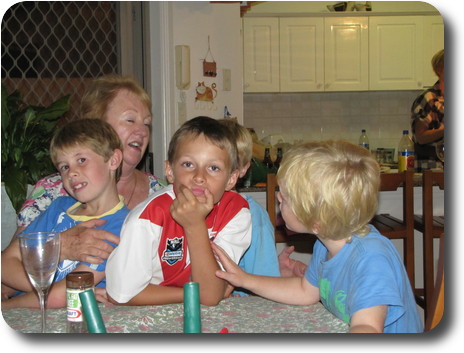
(16, 186)
(26, 133)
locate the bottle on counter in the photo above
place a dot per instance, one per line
(405, 152)
(278, 158)
(76, 282)
(364, 140)
(267, 161)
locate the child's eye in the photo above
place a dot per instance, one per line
(62, 168)
(81, 160)
(215, 168)
(187, 164)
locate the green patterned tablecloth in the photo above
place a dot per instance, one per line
(238, 315)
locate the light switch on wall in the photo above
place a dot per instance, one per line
(226, 80)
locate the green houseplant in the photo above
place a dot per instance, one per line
(26, 134)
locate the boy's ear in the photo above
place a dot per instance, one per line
(232, 180)
(244, 170)
(116, 159)
(168, 172)
(316, 228)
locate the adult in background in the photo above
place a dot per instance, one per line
(428, 117)
(125, 105)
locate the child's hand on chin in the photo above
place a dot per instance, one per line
(187, 209)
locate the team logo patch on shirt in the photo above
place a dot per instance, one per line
(174, 251)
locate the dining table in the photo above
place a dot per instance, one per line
(248, 314)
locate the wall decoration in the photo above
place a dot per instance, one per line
(209, 67)
(205, 93)
(227, 114)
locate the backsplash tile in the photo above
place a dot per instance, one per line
(331, 115)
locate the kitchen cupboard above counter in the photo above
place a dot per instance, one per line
(340, 53)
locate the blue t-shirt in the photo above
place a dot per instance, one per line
(366, 272)
(261, 257)
(57, 219)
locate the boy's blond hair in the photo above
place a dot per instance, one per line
(243, 139)
(95, 134)
(218, 134)
(102, 91)
(331, 184)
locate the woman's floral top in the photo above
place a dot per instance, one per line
(51, 187)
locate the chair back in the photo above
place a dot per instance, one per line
(271, 188)
(429, 180)
(271, 206)
(395, 228)
(436, 306)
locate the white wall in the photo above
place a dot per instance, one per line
(193, 22)
(172, 23)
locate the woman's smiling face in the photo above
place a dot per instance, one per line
(131, 119)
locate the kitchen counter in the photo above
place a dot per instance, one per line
(417, 183)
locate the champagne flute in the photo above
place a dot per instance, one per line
(40, 254)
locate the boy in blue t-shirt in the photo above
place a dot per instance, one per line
(88, 155)
(261, 257)
(330, 189)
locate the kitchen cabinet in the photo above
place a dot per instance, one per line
(294, 60)
(261, 54)
(358, 53)
(434, 40)
(395, 52)
(283, 55)
(301, 53)
(401, 49)
(346, 56)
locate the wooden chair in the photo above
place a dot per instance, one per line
(395, 228)
(303, 241)
(271, 207)
(436, 306)
(429, 179)
(431, 227)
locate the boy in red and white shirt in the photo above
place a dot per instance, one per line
(165, 241)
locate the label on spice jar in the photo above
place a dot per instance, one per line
(74, 307)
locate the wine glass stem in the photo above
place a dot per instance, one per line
(42, 295)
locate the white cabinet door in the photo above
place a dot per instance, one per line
(346, 54)
(395, 52)
(301, 54)
(434, 40)
(261, 54)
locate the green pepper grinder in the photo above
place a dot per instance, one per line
(92, 313)
(192, 315)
